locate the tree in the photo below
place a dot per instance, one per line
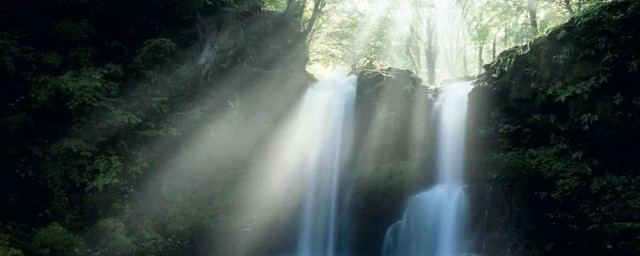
(421, 47)
(532, 8)
(295, 12)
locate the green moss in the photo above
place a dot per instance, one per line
(560, 114)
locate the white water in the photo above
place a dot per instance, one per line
(434, 221)
(330, 105)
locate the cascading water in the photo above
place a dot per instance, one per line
(434, 221)
(330, 104)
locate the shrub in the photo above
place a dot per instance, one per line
(111, 237)
(153, 53)
(55, 240)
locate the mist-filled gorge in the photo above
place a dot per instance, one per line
(320, 127)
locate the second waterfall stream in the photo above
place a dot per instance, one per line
(434, 221)
(327, 109)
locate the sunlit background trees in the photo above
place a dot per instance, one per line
(403, 33)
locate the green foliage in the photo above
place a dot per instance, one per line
(562, 118)
(153, 53)
(567, 173)
(111, 238)
(10, 51)
(55, 240)
(274, 5)
(88, 121)
(72, 32)
(6, 249)
(84, 89)
(179, 232)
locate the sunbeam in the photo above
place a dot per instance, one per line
(307, 147)
(319, 127)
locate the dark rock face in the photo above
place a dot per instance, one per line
(392, 105)
(393, 135)
(264, 40)
(553, 140)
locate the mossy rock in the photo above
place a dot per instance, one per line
(387, 101)
(562, 114)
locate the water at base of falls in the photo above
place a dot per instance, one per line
(433, 224)
(434, 221)
(329, 106)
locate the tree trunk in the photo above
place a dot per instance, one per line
(505, 40)
(431, 54)
(480, 58)
(493, 50)
(464, 62)
(431, 57)
(567, 5)
(532, 6)
(414, 64)
(413, 51)
(431, 69)
(318, 6)
(295, 10)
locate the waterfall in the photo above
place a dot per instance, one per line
(434, 221)
(329, 106)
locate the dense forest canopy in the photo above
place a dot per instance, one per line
(109, 112)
